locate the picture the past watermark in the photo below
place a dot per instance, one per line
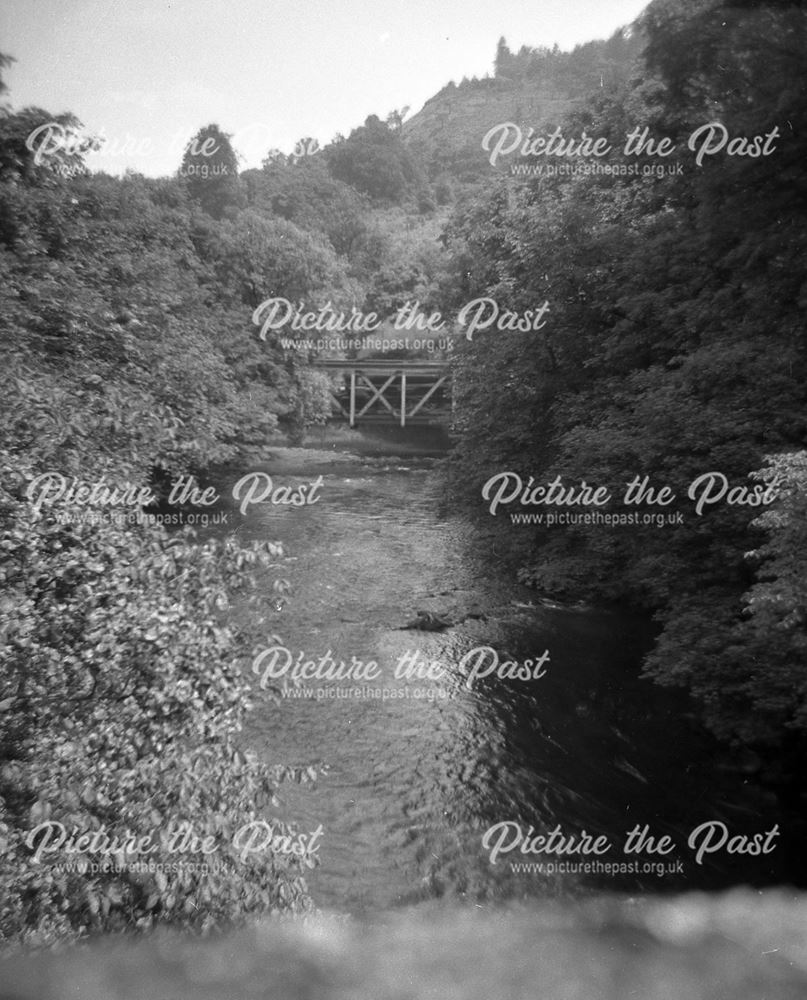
(75, 500)
(413, 675)
(642, 502)
(53, 840)
(641, 850)
(707, 140)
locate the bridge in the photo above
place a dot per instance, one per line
(384, 391)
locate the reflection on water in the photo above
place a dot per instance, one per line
(419, 773)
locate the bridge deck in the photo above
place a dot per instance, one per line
(382, 365)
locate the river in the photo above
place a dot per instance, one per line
(420, 769)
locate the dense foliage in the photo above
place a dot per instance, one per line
(674, 347)
(122, 699)
(374, 160)
(126, 347)
(209, 170)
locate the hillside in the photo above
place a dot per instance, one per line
(535, 87)
(446, 135)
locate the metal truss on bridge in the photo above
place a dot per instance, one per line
(386, 391)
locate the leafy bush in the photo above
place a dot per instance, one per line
(375, 161)
(747, 663)
(122, 696)
(122, 689)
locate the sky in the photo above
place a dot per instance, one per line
(147, 74)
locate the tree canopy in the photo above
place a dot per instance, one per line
(674, 347)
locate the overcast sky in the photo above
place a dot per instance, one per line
(148, 73)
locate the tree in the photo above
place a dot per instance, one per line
(504, 58)
(305, 193)
(5, 62)
(304, 147)
(42, 148)
(674, 347)
(374, 160)
(394, 120)
(210, 171)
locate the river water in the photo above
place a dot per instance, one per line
(420, 769)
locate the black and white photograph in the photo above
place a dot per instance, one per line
(403, 500)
